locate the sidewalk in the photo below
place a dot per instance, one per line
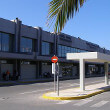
(76, 93)
(17, 82)
(27, 81)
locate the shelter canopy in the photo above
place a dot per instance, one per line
(89, 56)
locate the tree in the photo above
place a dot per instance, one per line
(60, 11)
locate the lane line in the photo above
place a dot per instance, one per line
(82, 102)
(100, 104)
(64, 102)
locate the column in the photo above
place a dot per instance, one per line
(39, 34)
(17, 35)
(0, 71)
(15, 66)
(19, 68)
(37, 70)
(106, 73)
(82, 74)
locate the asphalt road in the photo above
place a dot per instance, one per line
(28, 97)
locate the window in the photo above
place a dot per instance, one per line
(59, 50)
(26, 45)
(62, 50)
(47, 48)
(6, 42)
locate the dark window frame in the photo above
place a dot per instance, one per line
(65, 49)
(9, 44)
(26, 44)
(47, 48)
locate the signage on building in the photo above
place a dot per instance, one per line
(65, 38)
(91, 45)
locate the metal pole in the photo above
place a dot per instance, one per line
(58, 80)
(54, 79)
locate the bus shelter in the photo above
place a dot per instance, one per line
(89, 57)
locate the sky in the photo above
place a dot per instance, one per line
(92, 23)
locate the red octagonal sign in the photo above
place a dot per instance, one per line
(54, 59)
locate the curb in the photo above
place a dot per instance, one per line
(76, 97)
(37, 81)
(22, 82)
(6, 84)
(26, 82)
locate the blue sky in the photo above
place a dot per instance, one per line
(92, 23)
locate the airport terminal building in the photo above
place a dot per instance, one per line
(28, 50)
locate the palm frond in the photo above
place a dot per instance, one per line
(61, 11)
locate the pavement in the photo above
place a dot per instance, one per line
(29, 97)
(17, 82)
(76, 93)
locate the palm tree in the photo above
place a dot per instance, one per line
(60, 11)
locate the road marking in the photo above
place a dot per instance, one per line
(64, 102)
(99, 104)
(83, 102)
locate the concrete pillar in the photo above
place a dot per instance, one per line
(37, 69)
(0, 71)
(55, 45)
(17, 35)
(106, 73)
(82, 74)
(19, 70)
(15, 65)
(39, 42)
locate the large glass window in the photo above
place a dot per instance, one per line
(26, 44)
(46, 48)
(6, 42)
(59, 50)
(62, 50)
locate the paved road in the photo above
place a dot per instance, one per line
(28, 97)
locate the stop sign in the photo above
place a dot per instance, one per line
(54, 59)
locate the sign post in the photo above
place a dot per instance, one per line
(54, 60)
(53, 72)
(57, 79)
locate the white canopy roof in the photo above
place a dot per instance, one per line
(89, 56)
